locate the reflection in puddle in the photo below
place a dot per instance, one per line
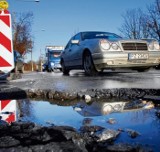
(8, 110)
(137, 115)
(104, 108)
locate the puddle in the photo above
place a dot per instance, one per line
(140, 116)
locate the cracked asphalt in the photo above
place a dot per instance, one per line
(77, 81)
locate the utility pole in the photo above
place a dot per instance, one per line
(40, 61)
(31, 62)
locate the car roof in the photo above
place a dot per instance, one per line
(96, 31)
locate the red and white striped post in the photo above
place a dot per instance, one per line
(6, 45)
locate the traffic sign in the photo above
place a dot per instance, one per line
(6, 45)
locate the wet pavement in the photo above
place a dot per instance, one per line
(77, 81)
(77, 85)
(131, 115)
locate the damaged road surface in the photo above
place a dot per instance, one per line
(82, 126)
(127, 84)
(77, 81)
(110, 112)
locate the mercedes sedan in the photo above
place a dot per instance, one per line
(95, 51)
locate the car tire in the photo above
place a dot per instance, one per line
(143, 70)
(64, 69)
(88, 65)
(157, 67)
(49, 70)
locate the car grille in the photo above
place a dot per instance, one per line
(134, 46)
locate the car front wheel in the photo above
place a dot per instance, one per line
(88, 65)
(158, 67)
(64, 69)
(143, 70)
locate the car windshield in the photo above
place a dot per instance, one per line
(55, 55)
(105, 35)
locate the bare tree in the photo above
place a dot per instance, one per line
(134, 25)
(144, 26)
(138, 24)
(22, 39)
(154, 20)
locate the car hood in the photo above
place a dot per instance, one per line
(131, 41)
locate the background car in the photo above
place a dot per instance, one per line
(52, 61)
(95, 51)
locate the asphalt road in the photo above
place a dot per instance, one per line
(77, 80)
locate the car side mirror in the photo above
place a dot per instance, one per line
(75, 42)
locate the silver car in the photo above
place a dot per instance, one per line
(95, 51)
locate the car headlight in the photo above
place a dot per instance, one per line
(115, 46)
(52, 63)
(105, 44)
(151, 46)
(156, 45)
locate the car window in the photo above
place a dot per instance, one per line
(68, 44)
(54, 55)
(105, 35)
(77, 37)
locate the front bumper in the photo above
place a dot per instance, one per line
(113, 60)
(56, 66)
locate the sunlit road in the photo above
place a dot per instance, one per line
(78, 81)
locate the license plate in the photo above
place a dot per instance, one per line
(133, 56)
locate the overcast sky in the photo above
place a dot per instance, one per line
(55, 21)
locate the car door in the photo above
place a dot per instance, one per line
(75, 50)
(66, 54)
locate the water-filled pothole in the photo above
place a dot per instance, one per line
(140, 116)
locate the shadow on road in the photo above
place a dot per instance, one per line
(8, 91)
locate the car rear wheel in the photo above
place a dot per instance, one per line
(64, 69)
(49, 70)
(88, 65)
